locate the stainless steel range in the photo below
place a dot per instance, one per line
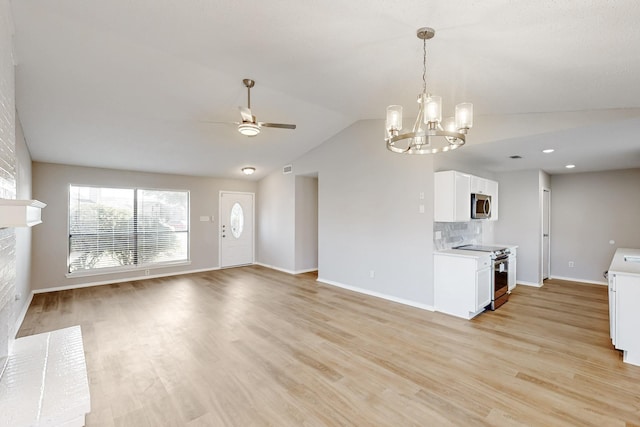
(500, 279)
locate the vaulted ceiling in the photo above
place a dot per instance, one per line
(130, 84)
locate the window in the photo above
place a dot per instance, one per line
(236, 219)
(125, 228)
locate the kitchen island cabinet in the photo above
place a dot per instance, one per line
(624, 303)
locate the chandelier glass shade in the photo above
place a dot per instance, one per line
(431, 133)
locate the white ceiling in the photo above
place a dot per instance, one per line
(127, 84)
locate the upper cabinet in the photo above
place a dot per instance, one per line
(479, 185)
(453, 189)
(452, 202)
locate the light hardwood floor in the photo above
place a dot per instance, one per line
(251, 347)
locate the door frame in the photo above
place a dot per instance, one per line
(253, 218)
(545, 260)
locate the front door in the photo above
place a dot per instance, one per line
(236, 229)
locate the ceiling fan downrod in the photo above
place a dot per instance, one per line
(249, 84)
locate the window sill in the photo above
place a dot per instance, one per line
(116, 270)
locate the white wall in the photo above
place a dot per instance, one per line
(368, 215)
(51, 186)
(587, 211)
(7, 176)
(306, 231)
(520, 221)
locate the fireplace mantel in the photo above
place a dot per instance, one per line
(20, 213)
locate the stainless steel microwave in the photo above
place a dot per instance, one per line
(480, 206)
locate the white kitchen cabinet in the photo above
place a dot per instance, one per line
(479, 185)
(452, 196)
(462, 282)
(452, 201)
(624, 300)
(512, 268)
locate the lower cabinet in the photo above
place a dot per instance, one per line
(462, 283)
(512, 269)
(624, 298)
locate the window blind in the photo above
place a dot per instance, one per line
(119, 227)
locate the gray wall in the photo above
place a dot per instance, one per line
(368, 216)
(51, 186)
(306, 231)
(587, 211)
(275, 219)
(520, 221)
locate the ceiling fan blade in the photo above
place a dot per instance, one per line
(277, 125)
(246, 114)
(219, 123)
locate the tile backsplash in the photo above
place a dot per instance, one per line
(449, 234)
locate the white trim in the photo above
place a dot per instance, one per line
(534, 284)
(23, 314)
(573, 279)
(124, 269)
(377, 294)
(112, 281)
(284, 270)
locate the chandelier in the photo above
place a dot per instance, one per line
(431, 134)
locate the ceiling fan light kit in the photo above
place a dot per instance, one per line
(249, 129)
(431, 133)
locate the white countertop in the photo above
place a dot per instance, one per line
(463, 253)
(619, 265)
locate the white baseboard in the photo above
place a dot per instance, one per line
(534, 284)
(112, 281)
(22, 315)
(573, 279)
(284, 270)
(377, 294)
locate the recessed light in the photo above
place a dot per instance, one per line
(570, 166)
(248, 170)
(548, 150)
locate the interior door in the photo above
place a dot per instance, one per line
(546, 239)
(236, 229)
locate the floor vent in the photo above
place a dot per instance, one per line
(287, 169)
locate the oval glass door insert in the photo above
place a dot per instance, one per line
(236, 220)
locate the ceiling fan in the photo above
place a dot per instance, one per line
(249, 126)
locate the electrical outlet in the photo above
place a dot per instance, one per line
(146, 272)
(570, 264)
(372, 274)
